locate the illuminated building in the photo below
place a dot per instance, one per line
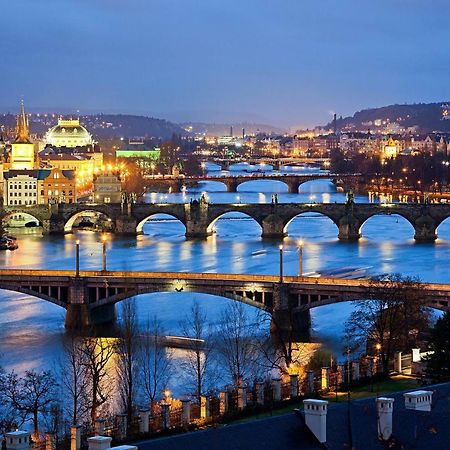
(107, 188)
(22, 149)
(20, 187)
(131, 153)
(43, 186)
(69, 134)
(389, 149)
(56, 186)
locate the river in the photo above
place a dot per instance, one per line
(31, 329)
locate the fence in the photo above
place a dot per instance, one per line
(172, 415)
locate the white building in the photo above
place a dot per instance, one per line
(20, 187)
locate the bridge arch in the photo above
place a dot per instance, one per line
(313, 214)
(7, 215)
(239, 215)
(68, 225)
(316, 186)
(142, 222)
(38, 293)
(443, 228)
(394, 220)
(264, 182)
(248, 297)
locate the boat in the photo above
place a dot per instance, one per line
(8, 242)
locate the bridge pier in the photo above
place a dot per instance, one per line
(273, 227)
(425, 229)
(197, 230)
(293, 187)
(231, 185)
(80, 316)
(288, 324)
(175, 187)
(54, 225)
(126, 225)
(349, 229)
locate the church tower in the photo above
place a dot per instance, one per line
(22, 152)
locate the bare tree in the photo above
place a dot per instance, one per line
(390, 316)
(9, 416)
(73, 376)
(198, 359)
(30, 395)
(97, 358)
(235, 341)
(155, 361)
(127, 351)
(283, 350)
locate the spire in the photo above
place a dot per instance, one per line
(22, 127)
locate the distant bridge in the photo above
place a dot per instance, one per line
(200, 217)
(293, 181)
(275, 162)
(90, 297)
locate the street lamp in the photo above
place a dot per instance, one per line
(77, 258)
(104, 238)
(378, 348)
(281, 263)
(300, 259)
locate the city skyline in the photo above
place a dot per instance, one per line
(323, 59)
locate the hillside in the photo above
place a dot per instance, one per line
(427, 117)
(223, 129)
(105, 125)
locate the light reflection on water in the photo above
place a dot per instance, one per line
(31, 329)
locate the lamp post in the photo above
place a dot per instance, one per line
(104, 252)
(378, 347)
(300, 259)
(77, 258)
(281, 263)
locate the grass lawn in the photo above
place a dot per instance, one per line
(393, 384)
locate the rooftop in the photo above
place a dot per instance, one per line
(347, 427)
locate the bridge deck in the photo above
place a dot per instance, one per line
(101, 288)
(311, 281)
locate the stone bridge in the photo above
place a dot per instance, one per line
(293, 181)
(199, 217)
(276, 163)
(90, 298)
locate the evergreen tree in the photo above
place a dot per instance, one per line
(439, 361)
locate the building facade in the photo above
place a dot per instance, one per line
(56, 186)
(107, 189)
(43, 186)
(20, 187)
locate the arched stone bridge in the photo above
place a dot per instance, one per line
(276, 163)
(293, 181)
(90, 297)
(200, 217)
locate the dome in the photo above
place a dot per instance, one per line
(68, 133)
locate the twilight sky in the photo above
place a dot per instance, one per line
(285, 62)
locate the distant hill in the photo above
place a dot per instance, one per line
(427, 117)
(223, 129)
(105, 125)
